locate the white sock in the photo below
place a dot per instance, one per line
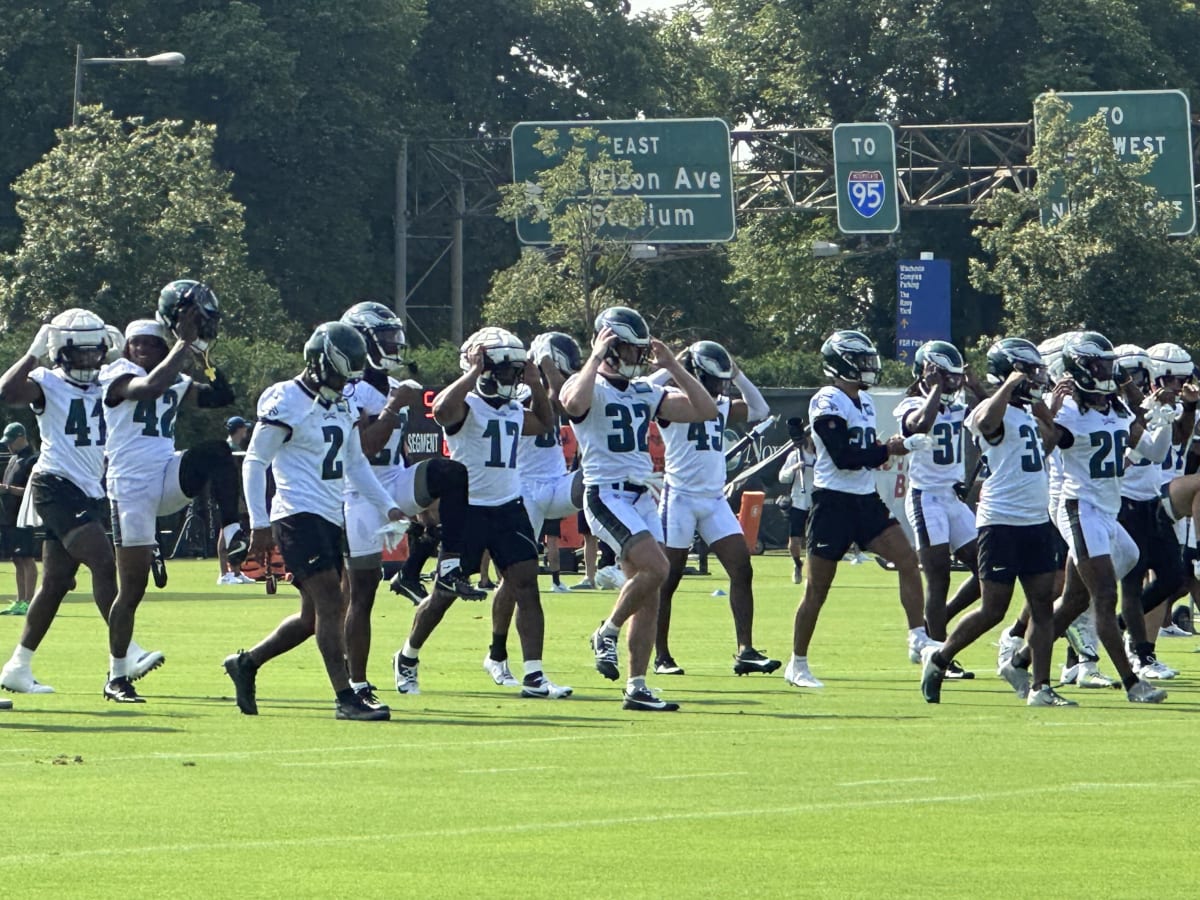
(447, 565)
(799, 660)
(229, 532)
(409, 650)
(918, 633)
(23, 657)
(358, 685)
(635, 684)
(608, 629)
(533, 666)
(116, 667)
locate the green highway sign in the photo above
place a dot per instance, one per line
(682, 172)
(1157, 121)
(864, 167)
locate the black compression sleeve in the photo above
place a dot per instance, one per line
(218, 394)
(833, 434)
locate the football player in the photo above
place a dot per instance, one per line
(483, 422)
(693, 500)
(384, 401)
(846, 508)
(307, 434)
(943, 524)
(1012, 429)
(146, 477)
(65, 490)
(1093, 430)
(611, 409)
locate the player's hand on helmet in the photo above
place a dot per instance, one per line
(896, 446)
(187, 324)
(41, 342)
(405, 394)
(602, 342)
(663, 355)
(1189, 393)
(475, 358)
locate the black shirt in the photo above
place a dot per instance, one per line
(16, 473)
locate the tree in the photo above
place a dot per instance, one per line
(118, 209)
(578, 198)
(1107, 264)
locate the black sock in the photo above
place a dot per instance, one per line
(1072, 656)
(1018, 628)
(1129, 681)
(1021, 658)
(409, 661)
(345, 695)
(554, 578)
(499, 648)
(940, 661)
(1144, 651)
(1037, 687)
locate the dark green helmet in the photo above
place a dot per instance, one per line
(946, 357)
(177, 297)
(335, 355)
(631, 329)
(1089, 359)
(851, 356)
(710, 364)
(383, 331)
(1018, 355)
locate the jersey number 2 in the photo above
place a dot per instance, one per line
(331, 466)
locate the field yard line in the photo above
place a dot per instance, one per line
(882, 781)
(698, 775)
(572, 824)
(339, 762)
(510, 769)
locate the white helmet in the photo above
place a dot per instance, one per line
(503, 362)
(1169, 360)
(1134, 362)
(1051, 351)
(78, 343)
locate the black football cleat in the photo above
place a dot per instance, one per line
(121, 690)
(751, 661)
(242, 671)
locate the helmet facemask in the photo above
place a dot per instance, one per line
(628, 360)
(1037, 379)
(500, 380)
(82, 362)
(385, 347)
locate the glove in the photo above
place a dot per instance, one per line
(411, 383)
(540, 351)
(1160, 415)
(392, 532)
(41, 342)
(916, 442)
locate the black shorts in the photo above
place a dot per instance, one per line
(1007, 552)
(62, 506)
(309, 544)
(1158, 547)
(503, 531)
(797, 520)
(17, 542)
(581, 524)
(551, 528)
(838, 519)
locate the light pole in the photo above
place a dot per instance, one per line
(158, 59)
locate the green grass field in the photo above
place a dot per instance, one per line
(753, 789)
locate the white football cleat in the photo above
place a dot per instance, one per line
(229, 578)
(546, 689)
(19, 679)
(1088, 675)
(500, 672)
(799, 675)
(147, 662)
(1144, 692)
(1008, 646)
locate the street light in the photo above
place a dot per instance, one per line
(158, 59)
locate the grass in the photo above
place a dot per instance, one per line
(752, 789)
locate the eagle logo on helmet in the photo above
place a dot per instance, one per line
(177, 297)
(947, 359)
(850, 356)
(1089, 360)
(383, 332)
(334, 355)
(78, 343)
(710, 364)
(504, 358)
(561, 349)
(1010, 355)
(631, 331)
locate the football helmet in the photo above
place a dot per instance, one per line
(334, 355)
(1051, 350)
(561, 349)
(1010, 355)
(632, 331)
(178, 296)
(78, 343)
(503, 362)
(710, 364)
(383, 332)
(1169, 361)
(1134, 362)
(851, 356)
(947, 358)
(1089, 360)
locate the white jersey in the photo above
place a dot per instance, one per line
(141, 433)
(389, 461)
(1094, 463)
(71, 425)
(614, 434)
(1054, 480)
(695, 452)
(316, 431)
(1015, 491)
(1143, 469)
(939, 467)
(1174, 465)
(797, 471)
(486, 443)
(860, 432)
(540, 456)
